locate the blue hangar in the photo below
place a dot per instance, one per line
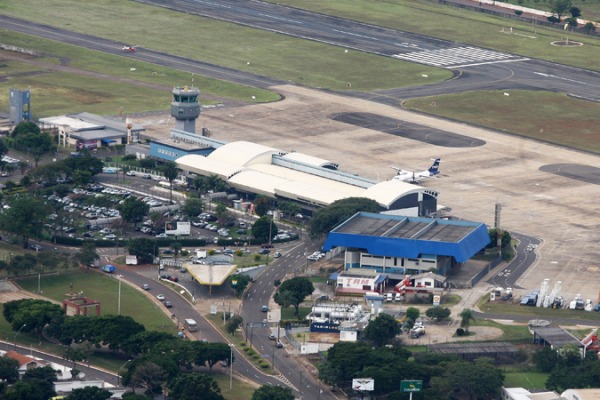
(398, 245)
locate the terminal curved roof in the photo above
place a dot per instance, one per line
(243, 153)
(388, 192)
(409, 237)
(204, 166)
(310, 160)
(249, 167)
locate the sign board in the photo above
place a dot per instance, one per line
(367, 384)
(411, 386)
(436, 300)
(178, 228)
(213, 310)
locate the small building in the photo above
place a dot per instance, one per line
(81, 306)
(85, 130)
(358, 281)
(555, 337)
(26, 363)
(524, 394)
(581, 394)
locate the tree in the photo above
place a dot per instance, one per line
(188, 386)
(37, 144)
(560, 7)
(9, 370)
(466, 317)
(382, 329)
(169, 169)
(215, 352)
(589, 28)
(239, 283)
(297, 289)
(89, 393)
(146, 373)
(413, 313)
(24, 217)
(25, 127)
(192, 207)
(269, 392)
(133, 210)
(473, 380)
(87, 254)
(145, 249)
(261, 206)
(264, 229)
(31, 315)
(176, 247)
(233, 324)
(438, 313)
(324, 220)
(575, 12)
(42, 379)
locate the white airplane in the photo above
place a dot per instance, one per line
(129, 48)
(414, 177)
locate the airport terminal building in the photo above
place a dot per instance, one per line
(312, 182)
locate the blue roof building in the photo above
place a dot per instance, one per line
(399, 245)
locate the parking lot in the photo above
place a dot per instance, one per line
(562, 212)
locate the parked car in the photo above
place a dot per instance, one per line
(162, 236)
(36, 247)
(264, 251)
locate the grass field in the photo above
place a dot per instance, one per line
(524, 378)
(104, 288)
(300, 61)
(559, 119)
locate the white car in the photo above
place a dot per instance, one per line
(162, 236)
(130, 173)
(160, 297)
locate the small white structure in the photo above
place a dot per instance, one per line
(524, 394)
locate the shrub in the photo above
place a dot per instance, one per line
(518, 12)
(553, 19)
(264, 364)
(460, 332)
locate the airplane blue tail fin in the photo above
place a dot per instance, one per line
(435, 167)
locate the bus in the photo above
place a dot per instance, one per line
(190, 325)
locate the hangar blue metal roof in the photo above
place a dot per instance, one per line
(409, 237)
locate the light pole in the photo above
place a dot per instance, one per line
(19, 331)
(119, 297)
(119, 372)
(231, 346)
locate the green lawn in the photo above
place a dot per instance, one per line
(517, 377)
(104, 288)
(558, 116)
(235, 46)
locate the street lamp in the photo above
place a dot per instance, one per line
(19, 331)
(231, 346)
(119, 297)
(119, 372)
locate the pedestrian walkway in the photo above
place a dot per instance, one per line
(458, 57)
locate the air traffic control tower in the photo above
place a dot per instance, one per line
(185, 108)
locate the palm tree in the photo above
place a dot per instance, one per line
(169, 169)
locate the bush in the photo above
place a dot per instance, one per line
(553, 19)
(460, 332)
(518, 12)
(264, 364)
